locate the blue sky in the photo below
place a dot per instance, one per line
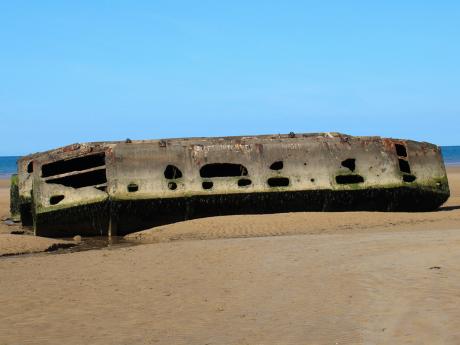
(110, 70)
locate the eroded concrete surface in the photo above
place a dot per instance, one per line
(120, 187)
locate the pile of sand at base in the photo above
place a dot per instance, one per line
(24, 244)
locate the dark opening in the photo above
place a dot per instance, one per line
(278, 182)
(404, 166)
(207, 184)
(312, 180)
(401, 150)
(30, 167)
(132, 187)
(409, 178)
(75, 164)
(172, 185)
(349, 179)
(277, 165)
(90, 178)
(223, 170)
(56, 199)
(26, 214)
(244, 182)
(102, 188)
(349, 163)
(172, 172)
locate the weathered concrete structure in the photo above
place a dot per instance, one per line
(121, 187)
(14, 198)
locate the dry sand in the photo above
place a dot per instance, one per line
(364, 278)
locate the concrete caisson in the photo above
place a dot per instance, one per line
(121, 187)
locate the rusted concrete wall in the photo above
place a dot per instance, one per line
(127, 186)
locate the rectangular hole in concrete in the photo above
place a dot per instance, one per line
(350, 164)
(409, 178)
(244, 182)
(401, 150)
(56, 199)
(207, 185)
(278, 165)
(404, 166)
(74, 164)
(133, 187)
(91, 178)
(223, 170)
(278, 182)
(349, 179)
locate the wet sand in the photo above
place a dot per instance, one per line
(26, 244)
(339, 278)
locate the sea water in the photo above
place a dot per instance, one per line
(451, 155)
(8, 166)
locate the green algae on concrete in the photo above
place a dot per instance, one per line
(14, 199)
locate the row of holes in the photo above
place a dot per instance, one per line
(217, 170)
(244, 182)
(272, 182)
(207, 171)
(404, 165)
(172, 173)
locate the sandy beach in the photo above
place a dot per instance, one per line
(297, 278)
